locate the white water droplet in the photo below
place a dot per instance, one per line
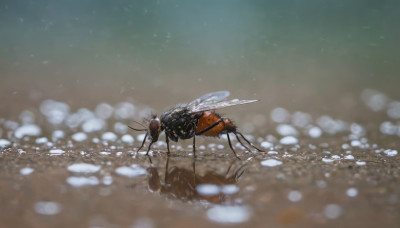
(26, 171)
(352, 192)
(208, 189)
(27, 130)
(332, 211)
(79, 137)
(47, 208)
(83, 168)
(295, 196)
(131, 171)
(289, 140)
(83, 181)
(271, 163)
(229, 214)
(56, 152)
(4, 143)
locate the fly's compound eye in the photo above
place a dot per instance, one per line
(155, 129)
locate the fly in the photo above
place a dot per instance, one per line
(198, 117)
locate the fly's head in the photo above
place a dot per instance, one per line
(154, 128)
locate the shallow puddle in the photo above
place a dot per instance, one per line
(311, 172)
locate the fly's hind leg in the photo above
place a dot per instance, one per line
(251, 144)
(230, 145)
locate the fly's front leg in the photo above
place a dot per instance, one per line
(194, 125)
(167, 141)
(194, 145)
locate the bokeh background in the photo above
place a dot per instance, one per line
(304, 55)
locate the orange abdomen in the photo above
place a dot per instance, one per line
(209, 118)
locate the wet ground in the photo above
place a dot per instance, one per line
(67, 164)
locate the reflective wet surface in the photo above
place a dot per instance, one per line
(60, 168)
(75, 74)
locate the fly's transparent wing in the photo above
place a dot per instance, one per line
(209, 98)
(222, 104)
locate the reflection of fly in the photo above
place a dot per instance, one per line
(181, 183)
(198, 117)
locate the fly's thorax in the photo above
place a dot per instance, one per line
(154, 128)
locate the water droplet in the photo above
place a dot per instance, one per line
(390, 152)
(280, 115)
(286, 130)
(332, 211)
(208, 189)
(57, 134)
(315, 132)
(4, 143)
(120, 128)
(230, 189)
(352, 192)
(128, 139)
(394, 110)
(83, 168)
(374, 100)
(301, 119)
(56, 152)
(93, 125)
(109, 136)
(27, 130)
(271, 163)
(41, 140)
(82, 181)
(229, 214)
(79, 137)
(104, 110)
(26, 171)
(131, 171)
(289, 140)
(266, 145)
(295, 196)
(47, 208)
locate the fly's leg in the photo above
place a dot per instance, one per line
(242, 143)
(167, 141)
(230, 145)
(148, 149)
(166, 170)
(251, 144)
(144, 140)
(194, 145)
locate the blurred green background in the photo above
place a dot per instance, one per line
(163, 52)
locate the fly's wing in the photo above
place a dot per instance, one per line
(209, 98)
(222, 104)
